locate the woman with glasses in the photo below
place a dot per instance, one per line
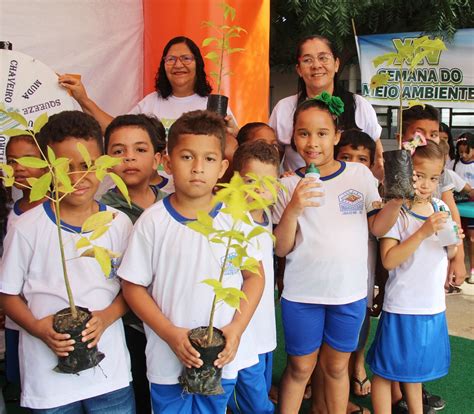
(181, 85)
(317, 66)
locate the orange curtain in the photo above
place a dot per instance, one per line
(249, 86)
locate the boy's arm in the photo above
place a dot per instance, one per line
(285, 231)
(149, 312)
(393, 253)
(456, 265)
(384, 220)
(102, 319)
(16, 308)
(253, 288)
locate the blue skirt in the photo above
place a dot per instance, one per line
(410, 348)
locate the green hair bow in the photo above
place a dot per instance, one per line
(334, 103)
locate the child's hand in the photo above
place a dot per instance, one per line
(95, 328)
(433, 223)
(461, 235)
(287, 174)
(60, 344)
(74, 85)
(302, 197)
(231, 126)
(179, 342)
(232, 341)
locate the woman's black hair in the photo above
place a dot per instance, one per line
(452, 149)
(311, 103)
(347, 119)
(163, 86)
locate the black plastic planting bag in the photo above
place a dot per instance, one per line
(81, 358)
(398, 180)
(205, 380)
(218, 104)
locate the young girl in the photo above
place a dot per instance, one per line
(411, 344)
(17, 147)
(464, 167)
(324, 297)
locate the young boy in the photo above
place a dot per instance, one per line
(32, 287)
(253, 383)
(137, 140)
(166, 261)
(17, 147)
(357, 146)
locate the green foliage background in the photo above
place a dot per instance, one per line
(294, 19)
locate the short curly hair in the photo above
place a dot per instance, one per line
(256, 150)
(197, 123)
(68, 124)
(148, 123)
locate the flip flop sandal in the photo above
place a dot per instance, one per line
(356, 381)
(359, 410)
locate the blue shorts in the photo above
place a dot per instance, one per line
(120, 401)
(12, 364)
(253, 384)
(364, 331)
(307, 325)
(170, 399)
(410, 348)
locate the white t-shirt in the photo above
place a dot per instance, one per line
(281, 120)
(13, 217)
(328, 264)
(172, 260)
(170, 109)
(263, 321)
(167, 184)
(466, 171)
(32, 267)
(416, 287)
(458, 182)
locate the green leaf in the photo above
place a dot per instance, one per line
(7, 169)
(8, 181)
(41, 187)
(84, 154)
(83, 242)
(213, 56)
(121, 186)
(40, 122)
(252, 265)
(97, 220)
(256, 231)
(32, 162)
(208, 41)
(61, 163)
(388, 57)
(51, 155)
(235, 50)
(17, 117)
(100, 174)
(63, 180)
(379, 80)
(31, 181)
(415, 103)
(418, 58)
(106, 161)
(103, 258)
(213, 283)
(99, 232)
(14, 132)
(200, 228)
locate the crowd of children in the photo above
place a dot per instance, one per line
(326, 229)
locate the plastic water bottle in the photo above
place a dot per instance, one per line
(313, 172)
(448, 235)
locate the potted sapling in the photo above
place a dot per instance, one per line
(224, 33)
(398, 182)
(238, 199)
(54, 185)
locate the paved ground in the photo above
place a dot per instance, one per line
(460, 312)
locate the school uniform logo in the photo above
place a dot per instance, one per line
(115, 262)
(351, 202)
(230, 269)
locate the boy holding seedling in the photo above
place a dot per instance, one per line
(32, 270)
(253, 383)
(166, 261)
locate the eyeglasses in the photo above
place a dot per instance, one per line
(184, 59)
(322, 58)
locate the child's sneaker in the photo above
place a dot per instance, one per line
(401, 407)
(434, 401)
(470, 279)
(453, 290)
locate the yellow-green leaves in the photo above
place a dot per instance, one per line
(97, 220)
(40, 187)
(380, 79)
(7, 177)
(231, 296)
(221, 41)
(40, 122)
(84, 154)
(121, 186)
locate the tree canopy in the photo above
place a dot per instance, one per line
(294, 19)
